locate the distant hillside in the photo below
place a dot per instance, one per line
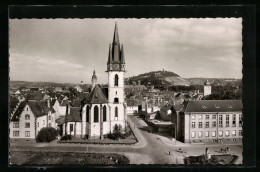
(17, 84)
(215, 81)
(158, 78)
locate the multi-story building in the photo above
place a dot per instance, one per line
(209, 120)
(29, 118)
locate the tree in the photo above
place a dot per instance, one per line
(47, 134)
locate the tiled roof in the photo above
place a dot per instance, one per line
(105, 92)
(74, 115)
(83, 96)
(213, 106)
(60, 120)
(96, 96)
(133, 102)
(35, 96)
(39, 108)
(178, 106)
(76, 103)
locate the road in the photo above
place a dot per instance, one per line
(150, 149)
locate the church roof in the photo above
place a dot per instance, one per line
(96, 96)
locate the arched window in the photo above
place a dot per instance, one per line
(27, 116)
(104, 113)
(96, 113)
(116, 100)
(116, 111)
(116, 80)
(87, 114)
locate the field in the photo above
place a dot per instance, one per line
(51, 158)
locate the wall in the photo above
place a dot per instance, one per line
(42, 123)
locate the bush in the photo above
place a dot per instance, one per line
(66, 137)
(47, 134)
(117, 133)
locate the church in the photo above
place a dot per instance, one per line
(103, 108)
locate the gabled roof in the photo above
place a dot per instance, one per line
(18, 111)
(96, 96)
(213, 106)
(74, 115)
(64, 102)
(39, 108)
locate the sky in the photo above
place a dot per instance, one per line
(68, 50)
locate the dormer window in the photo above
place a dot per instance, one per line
(216, 106)
(204, 107)
(229, 106)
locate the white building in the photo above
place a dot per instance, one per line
(207, 88)
(29, 118)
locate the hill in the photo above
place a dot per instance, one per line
(17, 84)
(158, 78)
(216, 81)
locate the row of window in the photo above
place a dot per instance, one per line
(16, 133)
(96, 113)
(214, 124)
(213, 133)
(193, 117)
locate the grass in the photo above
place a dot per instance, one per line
(77, 158)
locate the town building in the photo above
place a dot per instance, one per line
(207, 88)
(208, 121)
(29, 118)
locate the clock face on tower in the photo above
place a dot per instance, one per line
(115, 66)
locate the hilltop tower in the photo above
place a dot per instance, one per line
(207, 88)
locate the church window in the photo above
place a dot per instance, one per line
(87, 114)
(116, 80)
(96, 114)
(116, 100)
(116, 111)
(104, 113)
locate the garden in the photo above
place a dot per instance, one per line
(77, 158)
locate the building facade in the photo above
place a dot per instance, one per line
(207, 89)
(29, 118)
(209, 121)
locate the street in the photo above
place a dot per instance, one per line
(152, 148)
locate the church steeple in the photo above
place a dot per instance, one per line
(116, 59)
(116, 36)
(94, 80)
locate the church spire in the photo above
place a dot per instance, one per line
(122, 57)
(116, 59)
(94, 80)
(109, 55)
(116, 36)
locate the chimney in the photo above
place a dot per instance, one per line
(68, 109)
(48, 103)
